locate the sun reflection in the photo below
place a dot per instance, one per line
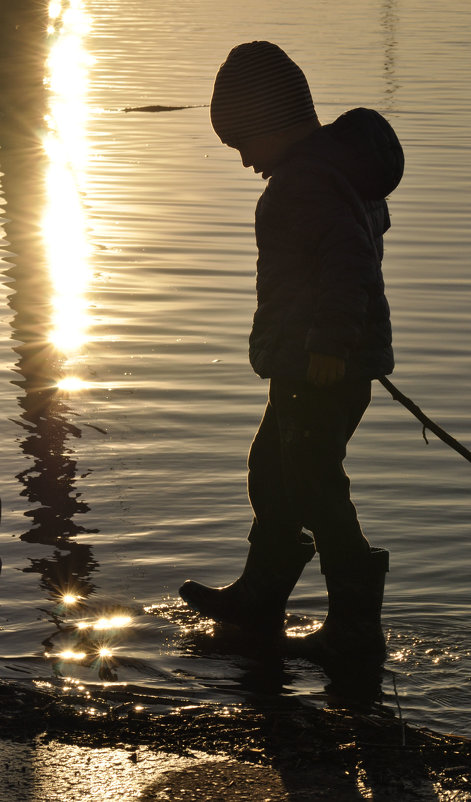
(64, 223)
(69, 598)
(103, 623)
(91, 642)
(55, 8)
(69, 654)
(116, 622)
(72, 384)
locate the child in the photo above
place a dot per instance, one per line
(321, 333)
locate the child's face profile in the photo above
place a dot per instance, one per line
(262, 152)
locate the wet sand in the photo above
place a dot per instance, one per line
(277, 752)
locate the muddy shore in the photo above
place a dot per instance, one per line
(51, 750)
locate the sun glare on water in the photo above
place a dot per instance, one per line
(65, 224)
(72, 384)
(69, 598)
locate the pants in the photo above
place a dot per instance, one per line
(296, 477)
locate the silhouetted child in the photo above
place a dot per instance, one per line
(321, 333)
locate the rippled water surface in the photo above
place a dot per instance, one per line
(128, 403)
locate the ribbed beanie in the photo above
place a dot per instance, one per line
(258, 90)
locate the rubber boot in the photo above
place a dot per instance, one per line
(352, 629)
(257, 600)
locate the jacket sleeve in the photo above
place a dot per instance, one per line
(347, 267)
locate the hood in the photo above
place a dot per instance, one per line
(365, 148)
(362, 146)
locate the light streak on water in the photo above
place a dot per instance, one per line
(66, 146)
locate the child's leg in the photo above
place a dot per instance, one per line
(277, 553)
(314, 427)
(277, 522)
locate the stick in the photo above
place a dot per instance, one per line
(164, 108)
(427, 423)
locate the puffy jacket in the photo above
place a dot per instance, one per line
(319, 228)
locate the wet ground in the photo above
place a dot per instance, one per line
(55, 751)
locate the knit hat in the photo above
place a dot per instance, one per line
(258, 90)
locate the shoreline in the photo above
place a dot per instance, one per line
(278, 750)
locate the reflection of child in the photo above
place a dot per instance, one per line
(321, 333)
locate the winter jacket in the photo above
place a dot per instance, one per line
(319, 228)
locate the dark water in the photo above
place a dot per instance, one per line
(128, 403)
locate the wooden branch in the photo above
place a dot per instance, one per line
(426, 422)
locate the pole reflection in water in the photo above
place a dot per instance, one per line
(43, 160)
(389, 21)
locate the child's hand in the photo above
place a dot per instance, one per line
(325, 370)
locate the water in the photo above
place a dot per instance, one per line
(128, 262)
